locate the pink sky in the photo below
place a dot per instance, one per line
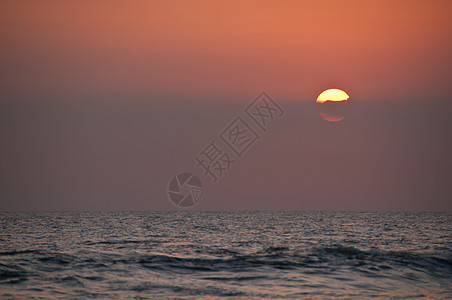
(375, 50)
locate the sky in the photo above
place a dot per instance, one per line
(102, 102)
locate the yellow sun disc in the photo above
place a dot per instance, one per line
(332, 95)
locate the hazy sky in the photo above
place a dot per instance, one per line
(103, 102)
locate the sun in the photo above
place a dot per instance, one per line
(332, 95)
(331, 104)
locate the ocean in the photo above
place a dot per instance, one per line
(240, 255)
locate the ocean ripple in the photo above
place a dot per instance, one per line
(235, 254)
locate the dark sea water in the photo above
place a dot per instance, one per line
(241, 255)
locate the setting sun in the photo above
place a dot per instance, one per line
(331, 104)
(332, 95)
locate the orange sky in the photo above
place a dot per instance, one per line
(373, 50)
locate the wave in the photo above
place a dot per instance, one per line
(222, 269)
(322, 258)
(272, 256)
(8, 253)
(120, 242)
